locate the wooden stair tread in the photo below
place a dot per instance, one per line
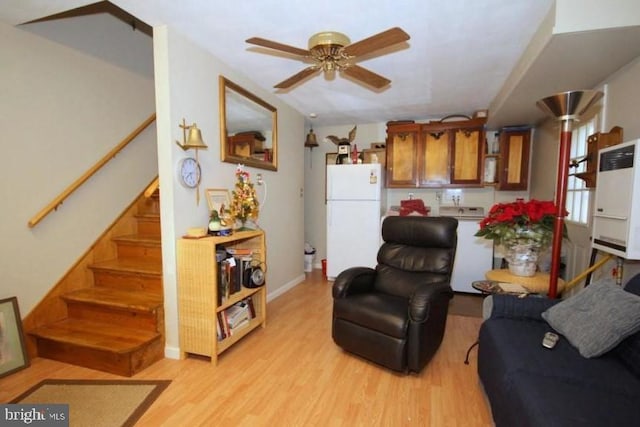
(96, 335)
(116, 298)
(130, 265)
(150, 216)
(141, 239)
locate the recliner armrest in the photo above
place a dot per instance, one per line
(424, 296)
(513, 307)
(353, 280)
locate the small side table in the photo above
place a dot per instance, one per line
(487, 287)
(538, 284)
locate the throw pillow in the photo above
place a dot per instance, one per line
(597, 318)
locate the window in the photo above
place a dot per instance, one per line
(578, 195)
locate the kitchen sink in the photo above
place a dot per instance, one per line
(462, 211)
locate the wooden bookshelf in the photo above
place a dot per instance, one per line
(198, 292)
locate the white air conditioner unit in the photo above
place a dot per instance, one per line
(616, 222)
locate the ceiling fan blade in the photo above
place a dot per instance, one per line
(375, 42)
(278, 46)
(365, 76)
(297, 77)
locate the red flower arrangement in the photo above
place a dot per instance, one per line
(520, 222)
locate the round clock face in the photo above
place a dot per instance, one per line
(190, 172)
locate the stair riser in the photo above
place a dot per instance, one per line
(128, 250)
(115, 317)
(128, 281)
(120, 364)
(148, 227)
(150, 205)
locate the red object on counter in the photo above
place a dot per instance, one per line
(413, 206)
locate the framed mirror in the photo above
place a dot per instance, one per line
(248, 128)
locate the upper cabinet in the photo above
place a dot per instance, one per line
(513, 162)
(435, 154)
(402, 148)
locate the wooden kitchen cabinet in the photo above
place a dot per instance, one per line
(435, 154)
(513, 163)
(434, 158)
(468, 146)
(402, 148)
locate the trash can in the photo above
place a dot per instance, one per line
(308, 263)
(309, 253)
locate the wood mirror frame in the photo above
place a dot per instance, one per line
(248, 128)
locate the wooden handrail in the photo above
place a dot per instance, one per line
(582, 275)
(89, 173)
(152, 187)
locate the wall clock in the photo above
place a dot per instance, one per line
(189, 172)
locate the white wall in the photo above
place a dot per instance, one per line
(61, 110)
(187, 87)
(623, 93)
(588, 15)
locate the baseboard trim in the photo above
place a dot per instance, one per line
(172, 352)
(286, 287)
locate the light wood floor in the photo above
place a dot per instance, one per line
(292, 374)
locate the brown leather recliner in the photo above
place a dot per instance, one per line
(395, 314)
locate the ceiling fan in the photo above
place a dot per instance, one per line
(332, 51)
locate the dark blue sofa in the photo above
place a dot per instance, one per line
(529, 385)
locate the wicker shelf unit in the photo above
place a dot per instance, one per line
(198, 292)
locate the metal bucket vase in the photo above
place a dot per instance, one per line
(523, 259)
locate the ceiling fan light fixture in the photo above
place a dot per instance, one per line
(328, 38)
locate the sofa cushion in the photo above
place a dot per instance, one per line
(511, 346)
(539, 400)
(597, 318)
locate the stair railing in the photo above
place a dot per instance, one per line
(53, 205)
(152, 188)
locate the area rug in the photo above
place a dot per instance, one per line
(97, 403)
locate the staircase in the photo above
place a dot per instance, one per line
(117, 324)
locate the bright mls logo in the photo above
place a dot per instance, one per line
(34, 414)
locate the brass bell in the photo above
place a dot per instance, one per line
(194, 140)
(311, 139)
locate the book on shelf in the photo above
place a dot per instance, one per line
(237, 313)
(252, 309)
(222, 332)
(227, 279)
(240, 251)
(235, 318)
(243, 324)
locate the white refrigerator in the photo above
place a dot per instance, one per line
(354, 210)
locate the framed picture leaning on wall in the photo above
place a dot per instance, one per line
(217, 198)
(13, 353)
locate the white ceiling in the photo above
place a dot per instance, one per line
(457, 60)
